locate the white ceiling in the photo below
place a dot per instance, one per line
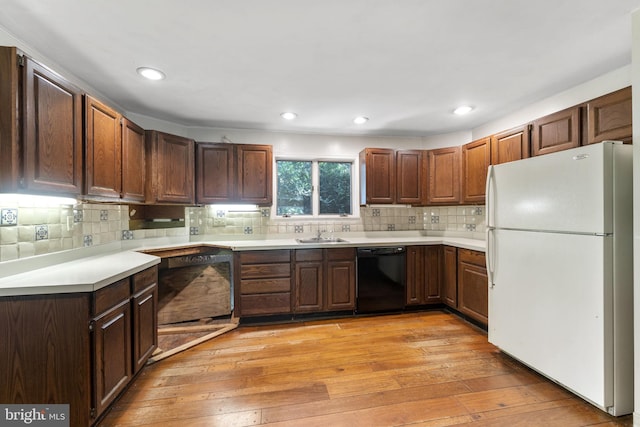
(405, 64)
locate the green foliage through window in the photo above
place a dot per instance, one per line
(295, 183)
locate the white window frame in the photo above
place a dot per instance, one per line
(315, 186)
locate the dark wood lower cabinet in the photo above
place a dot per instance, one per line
(77, 348)
(450, 276)
(423, 273)
(473, 292)
(324, 280)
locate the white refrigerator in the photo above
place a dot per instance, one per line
(560, 266)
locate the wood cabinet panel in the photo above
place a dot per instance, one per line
(144, 301)
(53, 132)
(556, 132)
(450, 277)
(10, 115)
(215, 173)
(265, 304)
(133, 161)
(103, 149)
(423, 273)
(473, 292)
(433, 273)
(609, 117)
(444, 175)
(45, 355)
(510, 145)
(170, 168)
(377, 176)
(411, 182)
(254, 174)
(341, 285)
(309, 286)
(266, 257)
(476, 158)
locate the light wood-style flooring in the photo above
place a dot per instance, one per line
(418, 369)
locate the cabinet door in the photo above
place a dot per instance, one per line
(309, 287)
(215, 173)
(415, 275)
(410, 177)
(556, 132)
(103, 149)
(53, 132)
(449, 278)
(172, 168)
(10, 99)
(473, 292)
(133, 161)
(476, 158)
(432, 274)
(254, 174)
(377, 176)
(112, 354)
(145, 325)
(341, 285)
(444, 175)
(510, 145)
(609, 117)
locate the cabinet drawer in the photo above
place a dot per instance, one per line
(265, 257)
(110, 296)
(259, 271)
(258, 286)
(308, 254)
(144, 279)
(472, 257)
(277, 303)
(343, 254)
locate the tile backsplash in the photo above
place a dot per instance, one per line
(27, 231)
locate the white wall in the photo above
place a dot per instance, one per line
(635, 17)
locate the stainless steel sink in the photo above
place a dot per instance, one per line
(320, 240)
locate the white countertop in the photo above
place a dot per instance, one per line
(90, 270)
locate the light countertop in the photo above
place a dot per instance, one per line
(84, 270)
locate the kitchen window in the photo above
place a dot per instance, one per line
(314, 188)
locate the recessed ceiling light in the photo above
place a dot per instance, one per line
(151, 73)
(287, 115)
(360, 120)
(462, 110)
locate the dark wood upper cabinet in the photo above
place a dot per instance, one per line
(215, 172)
(10, 116)
(609, 117)
(133, 161)
(444, 175)
(170, 166)
(254, 172)
(377, 175)
(234, 173)
(510, 145)
(556, 132)
(476, 158)
(410, 177)
(103, 149)
(53, 132)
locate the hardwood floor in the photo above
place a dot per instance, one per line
(418, 369)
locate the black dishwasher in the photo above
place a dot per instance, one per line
(381, 279)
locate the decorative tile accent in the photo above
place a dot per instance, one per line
(104, 215)
(391, 227)
(298, 228)
(194, 231)
(127, 234)
(9, 217)
(42, 232)
(412, 219)
(375, 212)
(220, 214)
(78, 215)
(435, 219)
(476, 211)
(470, 227)
(265, 212)
(346, 227)
(87, 240)
(248, 230)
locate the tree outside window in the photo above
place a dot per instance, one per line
(313, 187)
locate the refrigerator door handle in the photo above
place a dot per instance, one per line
(488, 196)
(489, 257)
